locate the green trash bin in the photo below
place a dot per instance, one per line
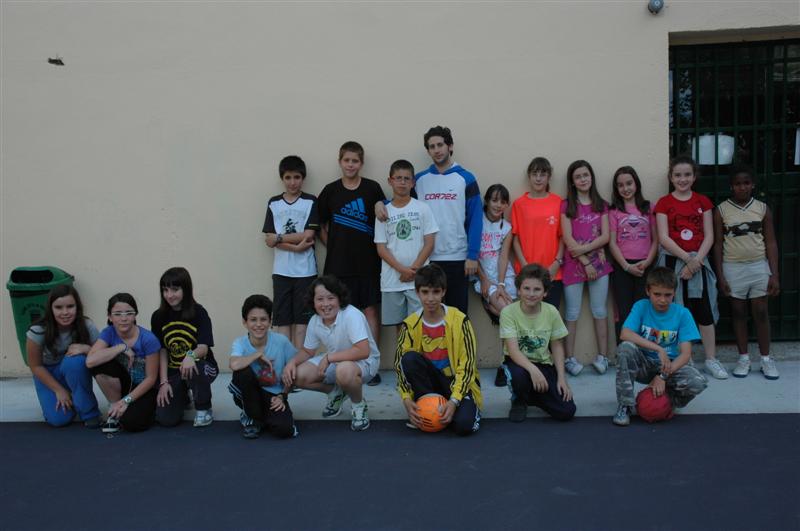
(28, 288)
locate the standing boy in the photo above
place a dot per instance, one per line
(532, 332)
(347, 219)
(436, 353)
(404, 241)
(656, 348)
(290, 227)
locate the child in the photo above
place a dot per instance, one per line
(656, 348)
(257, 361)
(187, 362)
(57, 345)
(404, 241)
(436, 353)
(746, 259)
(686, 234)
(124, 361)
(349, 354)
(290, 227)
(536, 225)
(633, 242)
(347, 220)
(532, 331)
(584, 220)
(495, 272)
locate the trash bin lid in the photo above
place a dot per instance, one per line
(37, 278)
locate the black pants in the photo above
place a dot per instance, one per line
(200, 384)
(554, 294)
(627, 290)
(254, 401)
(424, 378)
(140, 413)
(550, 401)
(457, 284)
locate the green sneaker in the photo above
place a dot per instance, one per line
(335, 400)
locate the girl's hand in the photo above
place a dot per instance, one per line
(591, 272)
(117, 409)
(641, 266)
(724, 287)
(694, 264)
(76, 349)
(289, 374)
(276, 403)
(485, 290)
(686, 273)
(635, 269)
(553, 269)
(564, 390)
(129, 352)
(164, 394)
(63, 400)
(188, 366)
(773, 286)
(575, 249)
(503, 295)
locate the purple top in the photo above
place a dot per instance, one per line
(634, 231)
(586, 227)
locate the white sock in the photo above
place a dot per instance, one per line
(744, 357)
(765, 357)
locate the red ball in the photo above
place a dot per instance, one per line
(652, 408)
(428, 408)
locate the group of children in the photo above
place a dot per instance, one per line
(414, 255)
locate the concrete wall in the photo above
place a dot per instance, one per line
(157, 143)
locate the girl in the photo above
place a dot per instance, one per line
(57, 347)
(495, 272)
(348, 358)
(124, 361)
(746, 259)
(584, 220)
(536, 225)
(686, 234)
(633, 242)
(186, 362)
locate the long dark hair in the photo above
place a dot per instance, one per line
(177, 277)
(79, 331)
(598, 203)
(618, 202)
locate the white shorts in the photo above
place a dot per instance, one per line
(511, 288)
(368, 369)
(748, 280)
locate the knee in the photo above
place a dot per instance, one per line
(410, 359)
(74, 364)
(625, 351)
(243, 377)
(168, 418)
(347, 373)
(464, 426)
(518, 377)
(58, 421)
(134, 426)
(283, 431)
(697, 385)
(565, 412)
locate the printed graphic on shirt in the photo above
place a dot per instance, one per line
(403, 229)
(592, 219)
(266, 374)
(743, 229)
(434, 347)
(664, 338)
(686, 226)
(354, 215)
(530, 344)
(179, 338)
(290, 227)
(633, 228)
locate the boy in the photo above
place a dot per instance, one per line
(348, 357)
(656, 348)
(257, 360)
(746, 259)
(404, 241)
(290, 226)
(436, 353)
(528, 328)
(347, 219)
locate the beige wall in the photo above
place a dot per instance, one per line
(157, 143)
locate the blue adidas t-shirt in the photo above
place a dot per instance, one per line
(667, 329)
(279, 351)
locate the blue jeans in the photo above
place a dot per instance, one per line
(73, 375)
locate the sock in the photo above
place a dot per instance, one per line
(765, 357)
(744, 357)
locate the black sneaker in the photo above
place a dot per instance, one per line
(376, 380)
(500, 379)
(251, 432)
(111, 425)
(518, 411)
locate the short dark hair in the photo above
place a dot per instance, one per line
(126, 298)
(662, 276)
(533, 271)
(430, 276)
(332, 284)
(292, 163)
(353, 147)
(441, 131)
(256, 301)
(741, 169)
(401, 164)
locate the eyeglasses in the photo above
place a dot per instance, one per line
(130, 313)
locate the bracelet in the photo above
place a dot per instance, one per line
(284, 396)
(165, 382)
(191, 354)
(455, 401)
(125, 349)
(662, 376)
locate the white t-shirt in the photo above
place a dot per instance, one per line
(494, 232)
(349, 328)
(403, 233)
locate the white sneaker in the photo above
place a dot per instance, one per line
(573, 366)
(742, 368)
(360, 420)
(715, 369)
(768, 368)
(203, 417)
(600, 364)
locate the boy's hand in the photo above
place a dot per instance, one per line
(164, 394)
(276, 403)
(470, 267)
(381, 214)
(412, 411)
(538, 380)
(447, 411)
(289, 373)
(303, 245)
(725, 288)
(323, 366)
(271, 239)
(407, 274)
(666, 364)
(773, 286)
(564, 390)
(658, 385)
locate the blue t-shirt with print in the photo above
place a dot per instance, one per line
(279, 351)
(146, 345)
(667, 329)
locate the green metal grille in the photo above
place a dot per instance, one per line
(746, 96)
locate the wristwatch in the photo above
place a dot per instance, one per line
(127, 399)
(280, 238)
(455, 401)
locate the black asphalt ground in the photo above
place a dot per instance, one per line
(703, 472)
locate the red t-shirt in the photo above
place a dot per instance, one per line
(537, 224)
(685, 219)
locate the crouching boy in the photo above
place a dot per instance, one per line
(436, 353)
(656, 348)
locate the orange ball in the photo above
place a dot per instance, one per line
(428, 408)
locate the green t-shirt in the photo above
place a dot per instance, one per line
(532, 332)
